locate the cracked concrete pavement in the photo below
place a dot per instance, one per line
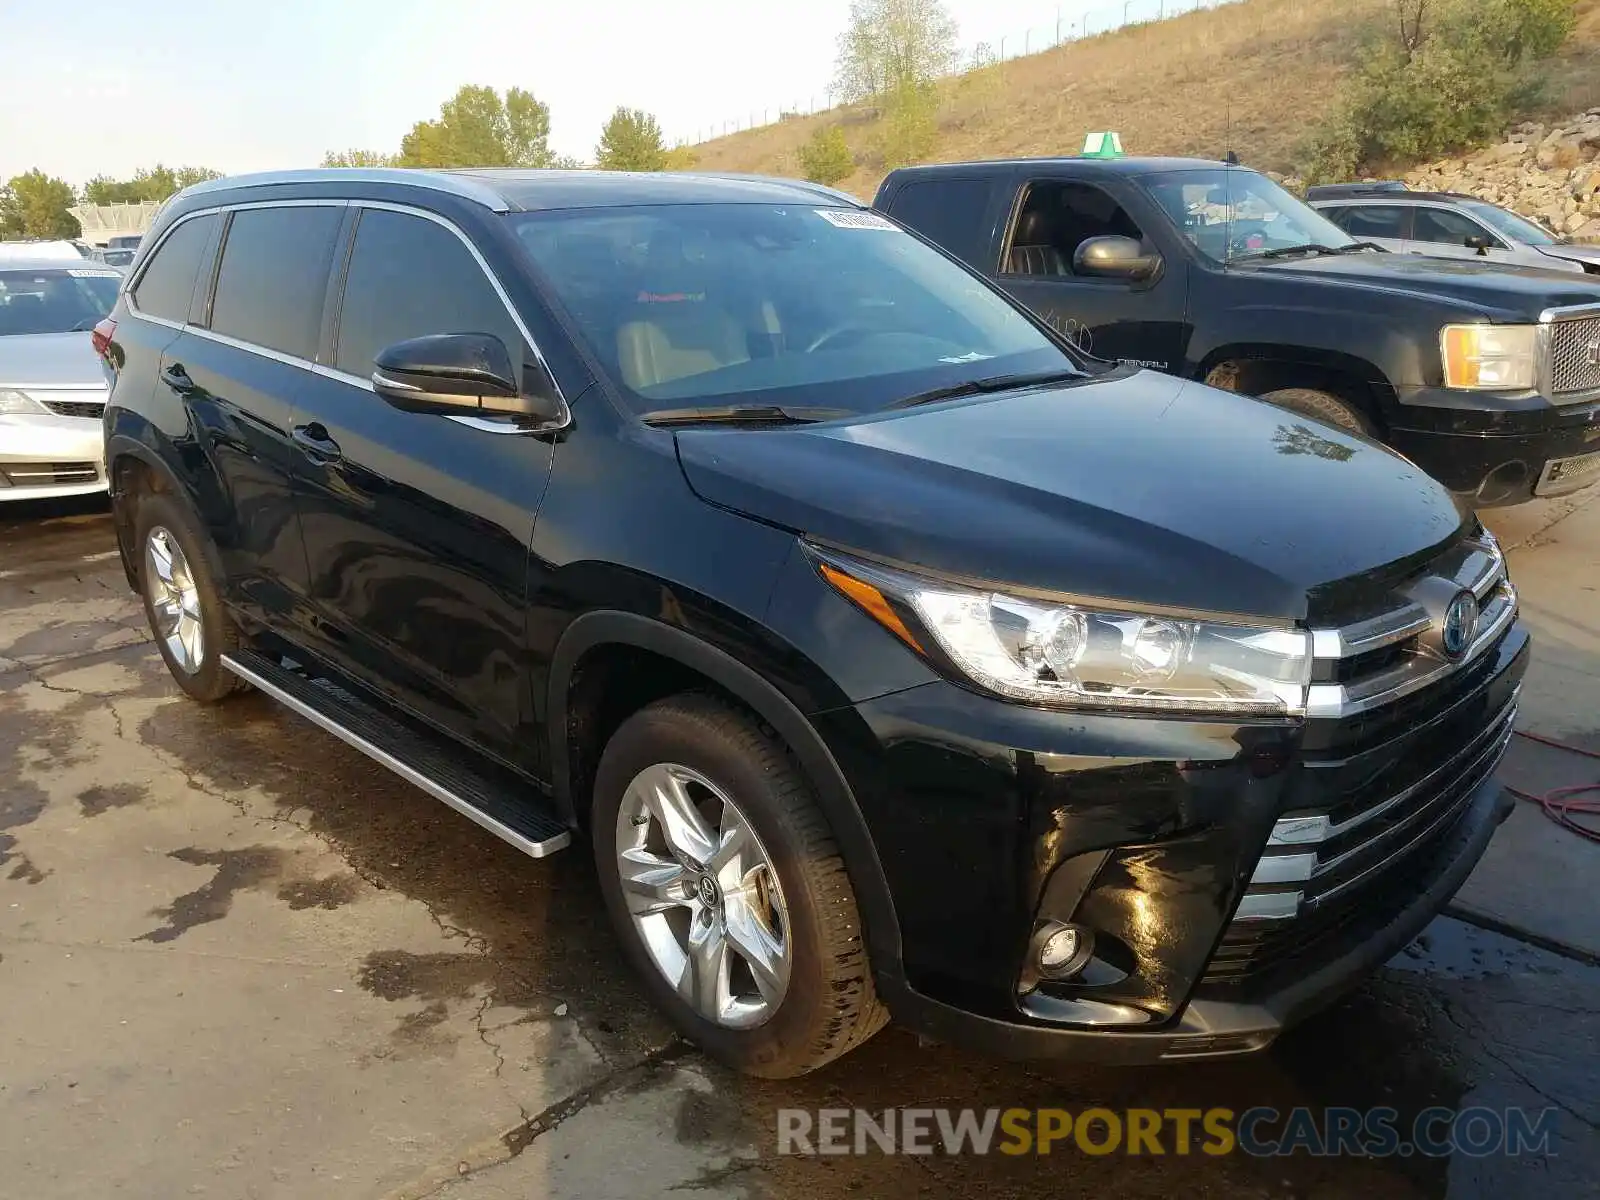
(237, 959)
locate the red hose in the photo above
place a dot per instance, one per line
(1560, 804)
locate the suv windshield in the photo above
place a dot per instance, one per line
(55, 301)
(1229, 213)
(777, 304)
(1518, 229)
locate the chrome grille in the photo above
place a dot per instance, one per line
(1575, 356)
(1382, 658)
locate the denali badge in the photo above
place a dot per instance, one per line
(1460, 624)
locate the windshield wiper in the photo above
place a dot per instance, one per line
(978, 387)
(1304, 248)
(738, 414)
(1354, 246)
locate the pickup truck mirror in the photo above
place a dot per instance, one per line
(461, 374)
(1114, 257)
(1477, 241)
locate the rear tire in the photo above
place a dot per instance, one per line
(191, 627)
(1324, 406)
(695, 758)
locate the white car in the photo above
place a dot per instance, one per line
(52, 382)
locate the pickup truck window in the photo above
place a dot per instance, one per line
(686, 302)
(1229, 214)
(948, 212)
(1055, 219)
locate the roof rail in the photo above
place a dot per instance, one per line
(466, 187)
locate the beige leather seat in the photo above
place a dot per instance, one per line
(675, 339)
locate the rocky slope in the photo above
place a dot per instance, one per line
(1551, 172)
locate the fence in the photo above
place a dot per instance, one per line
(1064, 27)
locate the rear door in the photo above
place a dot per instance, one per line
(1144, 322)
(240, 367)
(417, 526)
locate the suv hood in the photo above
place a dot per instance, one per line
(1501, 290)
(1134, 486)
(1589, 255)
(50, 360)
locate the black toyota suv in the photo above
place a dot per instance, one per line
(894, 658)
(1486, 375)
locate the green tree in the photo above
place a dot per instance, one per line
(891, 45)
(359, 158)
(152, 183)
(910, 123)
(477, 127)
(825, 158)
(1447, 74)
(35, 205)
(631, 141)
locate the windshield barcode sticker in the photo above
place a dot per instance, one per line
(846, 218)
(77, 273)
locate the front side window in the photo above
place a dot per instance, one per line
(410, 277)
(1518, 229)
(1229, 213)
(68, 300)
(774, 303)
(166, 285)
(273, 276)
(1056, 218)
(1443, 227)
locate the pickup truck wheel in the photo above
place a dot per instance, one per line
(727, 889)
(192, 629)
(1324, 406)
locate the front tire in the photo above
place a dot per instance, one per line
(727, 889)
(1324, 406)
(191, 627)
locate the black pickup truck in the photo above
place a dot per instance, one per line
(1486, 376)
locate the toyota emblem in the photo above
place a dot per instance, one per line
(1460, 624)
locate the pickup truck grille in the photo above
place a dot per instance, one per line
(1400, 735)
(1575, 356)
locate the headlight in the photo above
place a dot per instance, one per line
(1081, 656)
(16, 404)
(1490, 357)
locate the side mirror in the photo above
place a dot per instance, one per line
(1114, 257)
(460, 374)
(1478, 242)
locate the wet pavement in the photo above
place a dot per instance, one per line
(237, 959)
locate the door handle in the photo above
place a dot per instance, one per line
(313, 439)
(176, 378)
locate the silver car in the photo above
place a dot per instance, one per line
(1448, 225)
(52, 383)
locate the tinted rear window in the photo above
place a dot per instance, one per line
(50, 301)
(273, 277)
(167, 284)
(410, 277)
(947, 212)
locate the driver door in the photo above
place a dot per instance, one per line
(1143, 322)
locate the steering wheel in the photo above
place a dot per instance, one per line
(843, 329)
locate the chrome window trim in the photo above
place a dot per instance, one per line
(483, 424)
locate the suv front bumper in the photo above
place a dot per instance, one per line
(991, 818)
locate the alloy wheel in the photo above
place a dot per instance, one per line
(174, 600)
(704, 896)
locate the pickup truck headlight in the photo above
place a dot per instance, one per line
(1490, 357)
(1077, 655)
(17, 404)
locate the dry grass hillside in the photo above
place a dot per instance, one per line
(1253, 75)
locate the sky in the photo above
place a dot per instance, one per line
(94, 87)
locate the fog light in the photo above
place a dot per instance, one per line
(1062, 950)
